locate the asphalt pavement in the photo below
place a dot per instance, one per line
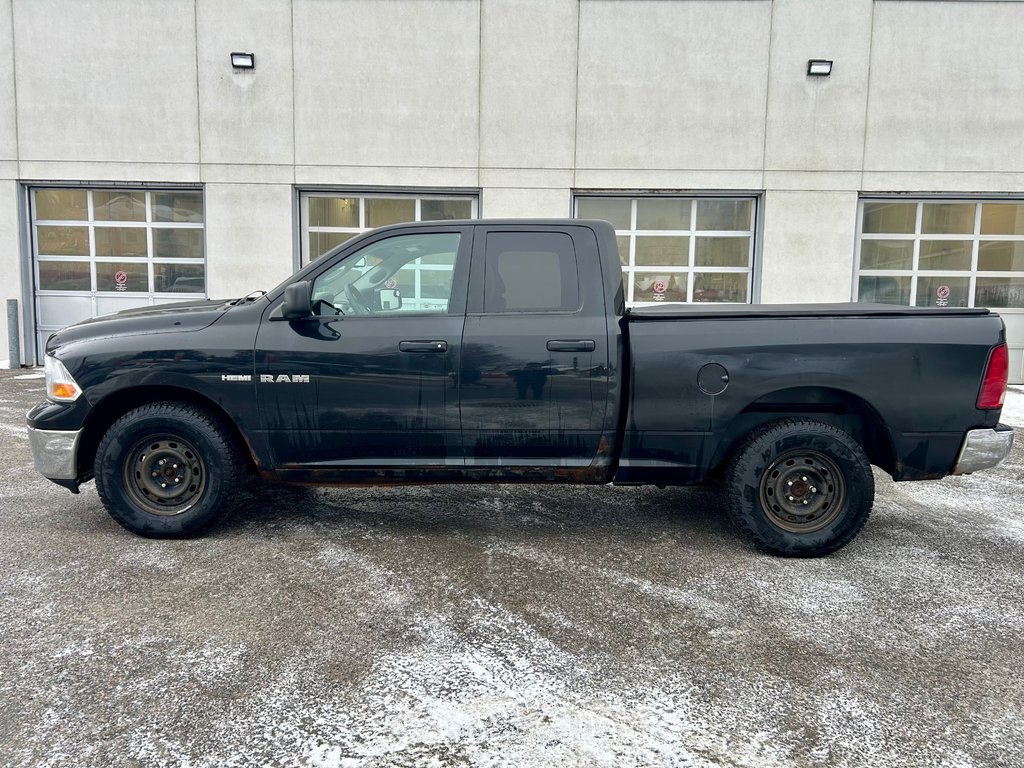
(506, 625)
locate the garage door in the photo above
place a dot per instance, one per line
(946, 253)
(97, 251)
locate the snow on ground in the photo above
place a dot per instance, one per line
(483, 626)
(1013, 407)
(24, 372)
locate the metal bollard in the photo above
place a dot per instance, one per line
(13, 345)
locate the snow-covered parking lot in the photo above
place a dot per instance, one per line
(525, 626)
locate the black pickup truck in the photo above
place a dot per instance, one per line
(502, 351)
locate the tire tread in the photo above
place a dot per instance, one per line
(223, 442)
(735, 487)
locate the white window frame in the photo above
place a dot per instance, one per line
(418, 196)
(150, 296)
(975, 237)
(691, 269)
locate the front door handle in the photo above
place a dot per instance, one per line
(423, 346)
(571, 345)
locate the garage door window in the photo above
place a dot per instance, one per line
(680, 249)
(329, 219)
(97, 251)
(941, 253)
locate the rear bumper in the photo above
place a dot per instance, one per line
(983, 448)
(55, 453)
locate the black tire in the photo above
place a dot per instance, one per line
(799, 488)
(167, 470)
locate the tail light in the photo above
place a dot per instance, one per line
(993, 386)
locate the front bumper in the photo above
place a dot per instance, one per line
(55, 453)
(983, 448)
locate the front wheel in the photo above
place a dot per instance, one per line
(799, 488)
(167, 470)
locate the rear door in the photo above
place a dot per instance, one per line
(534, 374)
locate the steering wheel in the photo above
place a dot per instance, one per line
(356, 301)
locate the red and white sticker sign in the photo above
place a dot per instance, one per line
(660, 286)
(942, 292)
(391, 283)
(120, 280)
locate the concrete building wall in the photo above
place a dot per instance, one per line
(528, 90)
(814, 148)
(661, 85)
(246, 118)
(111, 82)
(252, 249)
(526, 101)
(410, 65)
(10, 256)
(816, 125)
(8, 121)
(945, 91)
(814, 229)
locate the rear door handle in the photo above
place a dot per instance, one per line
(423, 346)
(571, 345)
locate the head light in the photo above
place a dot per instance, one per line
(59, 384)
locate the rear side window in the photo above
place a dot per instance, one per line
(530, 272)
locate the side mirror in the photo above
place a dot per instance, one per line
(389, 299)
(296, 303)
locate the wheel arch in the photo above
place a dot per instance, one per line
(117, 404)
(840, 408)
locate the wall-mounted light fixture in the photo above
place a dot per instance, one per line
(819, 67)
(243, 60)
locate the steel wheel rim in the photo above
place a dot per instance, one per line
(164, 475)
(802, 491)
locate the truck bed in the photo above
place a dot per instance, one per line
(695, 388)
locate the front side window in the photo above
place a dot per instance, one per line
(530, 272)
(941, 253)
(678, 249)
(399, 275)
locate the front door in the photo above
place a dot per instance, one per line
(369, 378)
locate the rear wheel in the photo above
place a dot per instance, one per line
(167, 469)
(799, 488)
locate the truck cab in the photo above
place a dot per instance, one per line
(438, 349)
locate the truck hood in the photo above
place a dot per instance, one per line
(165, 318)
